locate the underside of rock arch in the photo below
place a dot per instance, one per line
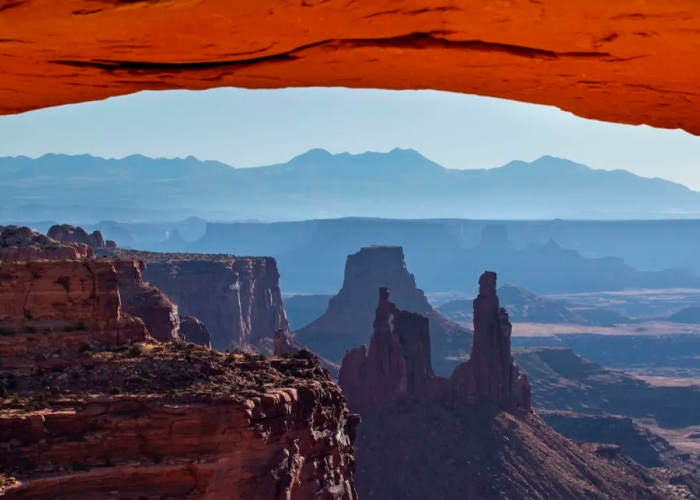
(628, 61)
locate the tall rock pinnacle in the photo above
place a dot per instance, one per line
(398, 364)
(490, 375)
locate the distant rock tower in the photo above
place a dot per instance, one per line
(397, 363)
(491, 375)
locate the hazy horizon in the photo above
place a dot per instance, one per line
(246, 128)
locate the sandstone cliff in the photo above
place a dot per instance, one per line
(348, 318)
(21, 244)
(53, 308)
(145, 301)
(238, 299)
(65, 233)
(628, 62)
(92, 407)
(473, 436)
(178, 422)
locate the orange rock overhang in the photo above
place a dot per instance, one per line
(629, 61)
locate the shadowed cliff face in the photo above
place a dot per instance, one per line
(349, 316)
(472, 436)
(237, 298)
(398, 363)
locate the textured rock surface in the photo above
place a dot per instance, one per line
(349, 317)
(65, 233)
(193, 330)
(21, 244)
(397, 363)
(93, 407)
(179, 422)
(450, 438)
(48, 308)
(145, 301)
(478, 453)
(490, 374)
(60, 291)
(282, 343)
(628, 61)
(238, 299)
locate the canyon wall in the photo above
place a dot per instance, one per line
(91, 406)
(349, 316)
(238, 299)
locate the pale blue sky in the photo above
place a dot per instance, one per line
(250, 128)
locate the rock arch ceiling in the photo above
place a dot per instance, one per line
(629, 61)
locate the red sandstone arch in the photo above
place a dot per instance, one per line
(630, 61)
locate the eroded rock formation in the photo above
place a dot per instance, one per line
(238, 299)
(49, 308)
(209, 427)
(145, 301)
(490, 374)
(91, 406)
(21, 244)
(138, 298)
(349, 316)
(66, 233)
(283, 344)
(472, 436)
(193, 330)
(629, 62)
(398, 361)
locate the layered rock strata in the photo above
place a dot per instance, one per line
(349, 316)
(238, 299)
(92, 407)
(53, 308)
(177, 421)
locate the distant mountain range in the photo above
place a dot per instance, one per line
(317, 184)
